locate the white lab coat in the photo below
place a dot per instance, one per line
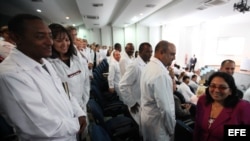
(157, 103)
(124, 62)
(246, 95)
(130, 86)
(114, 76)
(184, 89)
(77, 77)
(35, 102)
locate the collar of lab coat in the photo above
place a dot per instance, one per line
(156, 60)
(25, 62)
(141, 62)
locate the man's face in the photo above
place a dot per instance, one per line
(73, 34)
(146, 53)
(169, 55)
(130, 50)
(228, 67)
(36, 40)
(117, 56)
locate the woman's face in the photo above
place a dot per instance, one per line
(219, 89)
(61, 43)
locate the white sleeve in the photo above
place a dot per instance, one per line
(125, 85)
(111, 76)
(123, 64)
(76, 107)
(165, 101)
(26, 109)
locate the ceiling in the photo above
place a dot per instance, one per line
(120, 13)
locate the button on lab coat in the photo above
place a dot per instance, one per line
(34, 101)
(157, 102)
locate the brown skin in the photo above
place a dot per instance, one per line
(36, 42)
(228, 67)
(146, 53)
(130, 50)
(166, 57)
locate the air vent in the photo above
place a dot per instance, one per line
(150, 5)
(37, 0)
(96, 24)
(91, 17)
(209, 3)
(97, 4)
(215, 2)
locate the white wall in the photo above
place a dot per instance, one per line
(118, 35)
(106, 36)
(142, 35)
(200, 39)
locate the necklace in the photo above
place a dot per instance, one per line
(210, 121)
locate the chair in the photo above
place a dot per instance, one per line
(109, 103)
(120, 127)
(183, 131)
(97, 133)
(6, 131)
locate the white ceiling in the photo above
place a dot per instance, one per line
(121, 12)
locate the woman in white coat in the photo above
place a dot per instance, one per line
(69, 66)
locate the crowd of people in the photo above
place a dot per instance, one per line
(46, 70)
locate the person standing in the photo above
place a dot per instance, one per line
(130, 82)
(157, 102)
(219, 106)
(193, 62)
(114, 74)
(126, 58)
(33, 99)
(68, 65)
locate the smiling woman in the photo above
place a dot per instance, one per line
(218, 107)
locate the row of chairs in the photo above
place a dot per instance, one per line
(111, 118)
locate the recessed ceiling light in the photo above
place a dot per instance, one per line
(38, 10)
(67, 18)
(150, 5)
(73, 24)
(97, 4)
(141, 14)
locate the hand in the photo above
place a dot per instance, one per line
(90, 66)
(134, 109)
(83, 123)
(186, 106)
(171, 72)
(111, 90)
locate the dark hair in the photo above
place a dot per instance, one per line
(143, 45)
(232, 99)
(57, 30)
(225, 61)
(17, 23)
(185, 77)
(70, 28)
(162, 45)
(193, 76)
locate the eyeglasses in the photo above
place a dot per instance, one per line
(221, 88)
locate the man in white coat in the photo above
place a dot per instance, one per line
(126, 57)
(157, 102)
(33, 99)
(114, 74)
(130, 82)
